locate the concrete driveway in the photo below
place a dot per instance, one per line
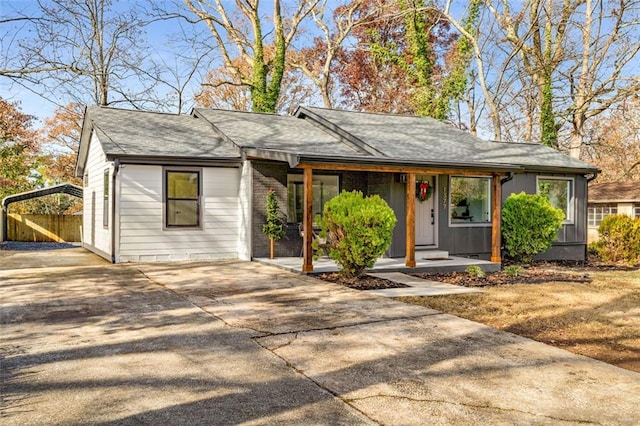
(243, 343)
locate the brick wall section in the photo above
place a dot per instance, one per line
(355, 181)
(268, 176)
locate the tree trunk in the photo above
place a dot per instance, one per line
(272, 248)
(575, 144)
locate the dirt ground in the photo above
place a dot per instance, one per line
(596, 315)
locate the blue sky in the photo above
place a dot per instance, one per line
(157, 35)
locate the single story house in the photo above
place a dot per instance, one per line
(171, 187)
(611, 198)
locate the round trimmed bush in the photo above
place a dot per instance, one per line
(358, 230)
(530, 224)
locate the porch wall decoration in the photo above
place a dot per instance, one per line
(423, 191)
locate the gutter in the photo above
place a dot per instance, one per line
(506, 179)
(116, 169)
(592, 177)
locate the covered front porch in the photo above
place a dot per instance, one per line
(425, 261)
(412, 260)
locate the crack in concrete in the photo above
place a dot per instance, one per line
(480, 406)
(343, 326)
(185, 297)
(289, 342)
(315, 382)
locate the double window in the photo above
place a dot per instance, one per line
(469, 200)
(559, 192)
(182, 198)
(598, 212)
(325, 187)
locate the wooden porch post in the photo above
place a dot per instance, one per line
(410, 261)
(496, 217)
(307, 221)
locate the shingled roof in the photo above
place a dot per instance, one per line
(276, 132)
(422, 138)
(312, 135)
(128, 133)
(614, 192)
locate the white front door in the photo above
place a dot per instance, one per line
(425, 212)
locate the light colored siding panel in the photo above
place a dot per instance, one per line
(142, 220)
(142, 236)
(244, 211)
(94, 233)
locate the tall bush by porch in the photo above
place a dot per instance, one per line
(619, 239)
(358, 230)
(530, 224)
(273, 227)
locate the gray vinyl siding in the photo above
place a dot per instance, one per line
(142, 236)
(571, 241)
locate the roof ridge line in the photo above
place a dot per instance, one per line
(196, 115)
(301, 112)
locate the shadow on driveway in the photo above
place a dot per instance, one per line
(238, 342)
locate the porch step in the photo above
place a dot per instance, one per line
(432, 254)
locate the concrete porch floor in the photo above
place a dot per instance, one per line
(387, 264)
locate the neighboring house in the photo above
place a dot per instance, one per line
(169, 187)
(610, 198)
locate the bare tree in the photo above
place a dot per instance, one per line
(580, 56)
(243, 29)
(613, 142)
(80, 50)
(316, 62)
(603, 70)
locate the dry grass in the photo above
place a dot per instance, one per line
(600, 319)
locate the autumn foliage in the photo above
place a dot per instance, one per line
(18, 146)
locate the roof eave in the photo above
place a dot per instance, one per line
(173, 160)
(564, 170)
(614, 200)
(459, 165)
(269, 154)
(83, 148)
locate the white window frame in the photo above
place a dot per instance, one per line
(603, 209)
(571, 199)
(471, 224)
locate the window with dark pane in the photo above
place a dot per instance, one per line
(182, 199)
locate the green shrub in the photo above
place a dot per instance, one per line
(475, 271)
(357, 229)
(529, 225)
(619, 239)
(512, 270)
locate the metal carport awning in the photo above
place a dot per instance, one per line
(63, 188)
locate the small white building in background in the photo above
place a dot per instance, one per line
(606, 199)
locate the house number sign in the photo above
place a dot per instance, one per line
(444, 197)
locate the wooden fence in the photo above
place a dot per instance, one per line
(44, 228)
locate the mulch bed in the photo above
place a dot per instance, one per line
(365, 282)
(536, 273)
(528, 276)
